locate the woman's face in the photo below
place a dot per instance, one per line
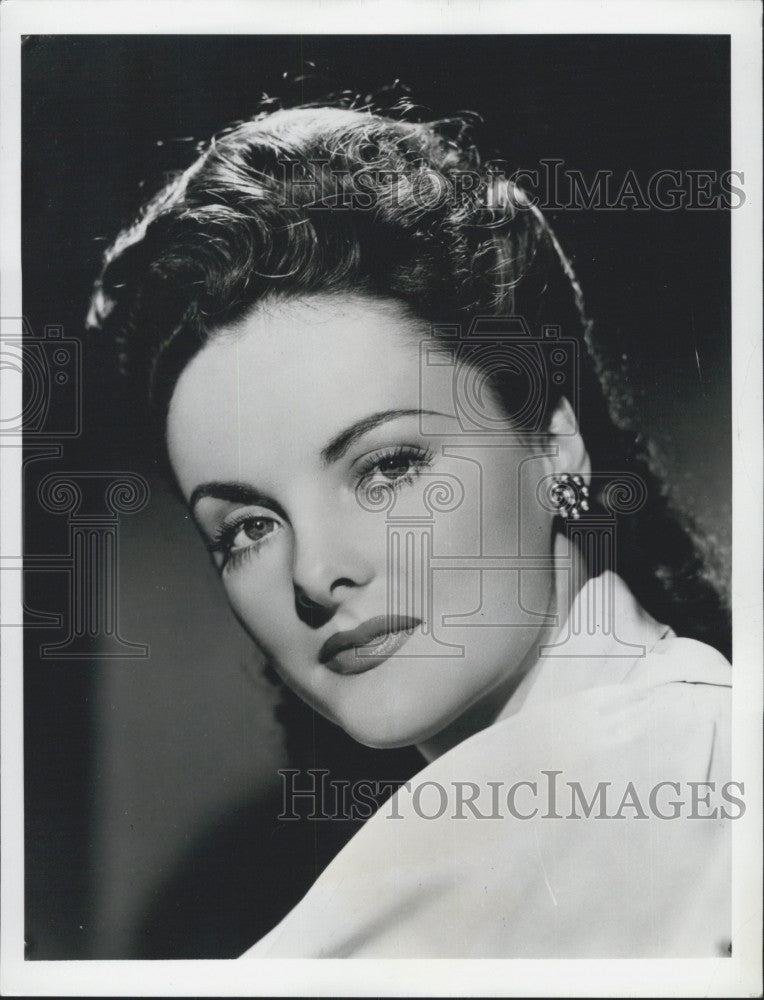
(309, 441)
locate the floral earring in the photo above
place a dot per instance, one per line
(570, 495)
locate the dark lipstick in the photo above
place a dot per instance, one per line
(371, 643)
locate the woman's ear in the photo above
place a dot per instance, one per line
(571, 454)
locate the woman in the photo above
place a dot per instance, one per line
(381, 403)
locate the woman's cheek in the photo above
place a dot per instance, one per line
(260, 608)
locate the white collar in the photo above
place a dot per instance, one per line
(605, 637)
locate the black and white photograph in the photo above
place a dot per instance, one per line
(381, 526)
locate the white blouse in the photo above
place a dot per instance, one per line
(592, 823)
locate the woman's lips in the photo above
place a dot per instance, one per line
(367, 646)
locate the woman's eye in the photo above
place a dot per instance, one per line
(242, 538)
(254, 529)
(395, 467)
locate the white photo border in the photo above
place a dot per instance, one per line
(739, 975)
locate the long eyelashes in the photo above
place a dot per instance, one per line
(226, 533)
(395, 467)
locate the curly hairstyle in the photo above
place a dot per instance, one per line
(342, 199)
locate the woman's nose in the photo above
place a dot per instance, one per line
(328, 563)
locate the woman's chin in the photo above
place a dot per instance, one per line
(396, 730)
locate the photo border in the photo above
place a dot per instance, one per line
(735, 976)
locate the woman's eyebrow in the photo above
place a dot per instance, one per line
(233, 492)
(340, 444)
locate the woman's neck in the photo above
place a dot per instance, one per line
(508, 696)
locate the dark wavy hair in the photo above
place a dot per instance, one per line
(341, 199)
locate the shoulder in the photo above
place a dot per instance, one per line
(678, 670)
(689, 693)
(686, 681)
(691, 660)
(667, 713)
(541, 874)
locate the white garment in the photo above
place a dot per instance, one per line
(494, 885)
